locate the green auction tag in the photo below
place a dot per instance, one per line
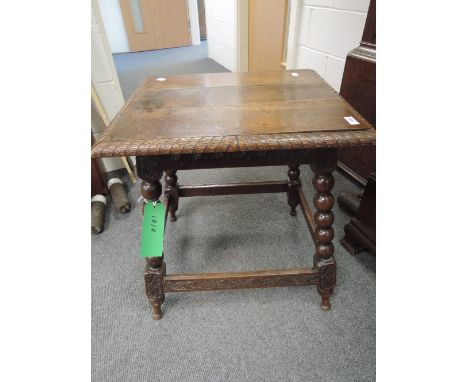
(152, 233)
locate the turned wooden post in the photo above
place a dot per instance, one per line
(294, 182)
(151, 190)
(171, 192)
(324, 261)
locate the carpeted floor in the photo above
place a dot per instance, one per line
(133, 68)
(277, 334)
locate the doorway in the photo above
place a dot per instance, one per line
(142, 46)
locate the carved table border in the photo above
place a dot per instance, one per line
(235, 143)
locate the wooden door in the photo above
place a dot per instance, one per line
(267, 31)
(156, 24)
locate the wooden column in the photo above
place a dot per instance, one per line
(324, 260)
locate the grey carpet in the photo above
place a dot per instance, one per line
(277, 334)
(133, 68)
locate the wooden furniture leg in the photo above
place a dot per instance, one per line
(294, 182)
(324, 260)
(171, 192)
(155, 270)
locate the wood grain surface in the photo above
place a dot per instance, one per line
(229, 112)
(240, 280)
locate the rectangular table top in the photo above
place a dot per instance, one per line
(232, 112)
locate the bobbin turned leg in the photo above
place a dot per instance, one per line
(294, 182)
(324, 260)
(155, 270)
(171, 192)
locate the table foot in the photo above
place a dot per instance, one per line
(156, 311)
(325, 295)
(325, 304)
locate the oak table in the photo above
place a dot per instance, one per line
(205, 121)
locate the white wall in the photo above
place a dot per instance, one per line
(324, 33)
(222, 32)
(104, 79)
(114, 24)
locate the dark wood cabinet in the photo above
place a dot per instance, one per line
(360, 231)
(358, 88)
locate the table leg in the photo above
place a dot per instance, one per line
(294, 182)
(155, 270)
(324, 260)
(171, 192)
